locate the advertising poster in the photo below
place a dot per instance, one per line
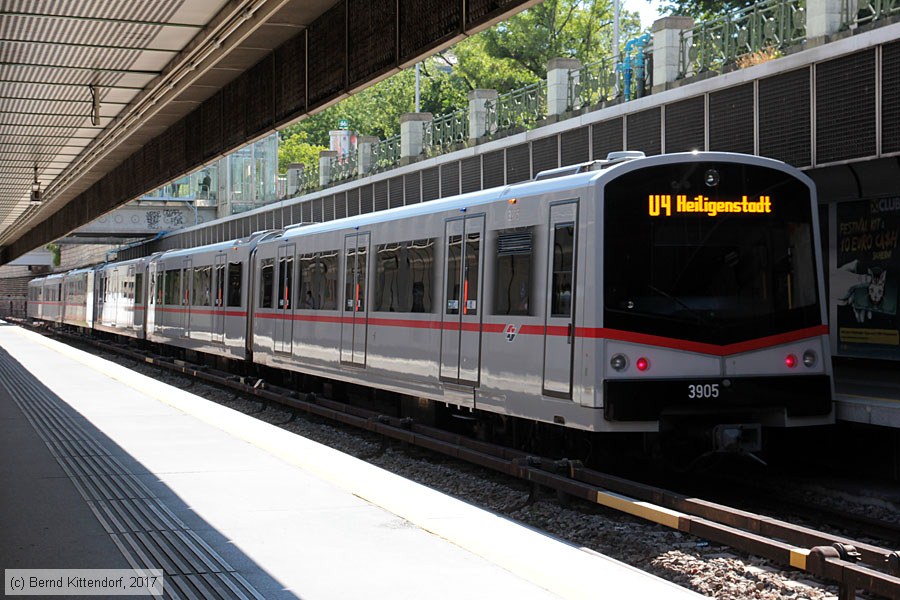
(864, 278)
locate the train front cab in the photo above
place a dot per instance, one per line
(713, 311)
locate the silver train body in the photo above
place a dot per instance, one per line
(619, 298)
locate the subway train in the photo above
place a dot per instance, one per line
(634, 294)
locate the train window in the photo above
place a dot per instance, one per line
(138, 286)
(317, 275)
(219, 295)
(285, 281)
(202, 285)
(234, 283)
(356, 279)
(514, 265)
(563, 270)
(266, 280)
(470, 274)
(403, 276)
(172, 290)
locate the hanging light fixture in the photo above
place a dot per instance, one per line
(35, 189)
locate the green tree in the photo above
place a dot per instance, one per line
(294, 147)
(704, 10)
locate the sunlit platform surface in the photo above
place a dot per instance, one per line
(867, 392)
(107, 469)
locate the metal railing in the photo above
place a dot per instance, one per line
(344, 166)
(518, 108)
(385, 154)
(445, 131)
(594, 84)
(717, 44)
(862, 12)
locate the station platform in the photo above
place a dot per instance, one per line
(107, 469)
(867, 393)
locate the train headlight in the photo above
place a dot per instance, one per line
(810, 358)
(790, 361)
(619, 362)
(642, 364)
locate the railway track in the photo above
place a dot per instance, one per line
(852, 565)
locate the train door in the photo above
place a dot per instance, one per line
(354, 324)
(559, 330)
(187, 282)
(461, 327)
(284, 324)
(129, 311)
(112, 298)
(218, 333)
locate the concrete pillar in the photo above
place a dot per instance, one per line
(294, 177)
(364, 159)
(666, 48)
(325, 157)
(478, 114)
(412, 134)
(823, 17)
(558, 83)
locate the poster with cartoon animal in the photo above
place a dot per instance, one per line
(864, 277)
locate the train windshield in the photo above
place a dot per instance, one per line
(709, 252)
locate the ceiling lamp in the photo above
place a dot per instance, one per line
(35, 189)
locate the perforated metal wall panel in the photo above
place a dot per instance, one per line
(327, 55)
(471, 174)
(340, 205)
(784, 129)
(193, 144)
(306, 212)
(518, 163)
(211, 130)
(371, 39)
(731, 116)
(449, 179)
(685, 125)
(381, 195)
(395, 192)
(479, 11)
(426, 23)
(296, 213)
(328, 208)
(544, 154)
(353, 202)
(366, 204)
(431, 184)
(290, 77)
(260, 98)
(845, 107)
(890, 98)
(172, 145)
(411, 183)
(234, 98)
(493, 169)
(574, 146)
(607, 137)
(277, 220)
(643, 131)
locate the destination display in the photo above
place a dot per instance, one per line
(662, 205)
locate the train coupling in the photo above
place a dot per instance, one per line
(738, 437)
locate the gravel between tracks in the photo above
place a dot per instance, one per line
(708, 569)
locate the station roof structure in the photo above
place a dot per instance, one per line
(100, 100)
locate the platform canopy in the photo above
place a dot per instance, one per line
(88, 88)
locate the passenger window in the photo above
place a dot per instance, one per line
(285, 281)
(266, 281)
(234, 283)
(356, 279)
(563, 270)
(513, 273)
(220, 285)
(202, 286)
(404, 276)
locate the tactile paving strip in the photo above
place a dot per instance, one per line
(148, 534)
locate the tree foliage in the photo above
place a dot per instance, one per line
(703, 10)
(507, 56)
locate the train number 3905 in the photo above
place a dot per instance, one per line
(703, 390)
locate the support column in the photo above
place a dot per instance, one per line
(364, 159)
(666, 49)
(823, 17)
(325, 157)
(412, 135)
(558, 83)
(478, 114)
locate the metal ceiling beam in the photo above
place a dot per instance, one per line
(65, 17)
